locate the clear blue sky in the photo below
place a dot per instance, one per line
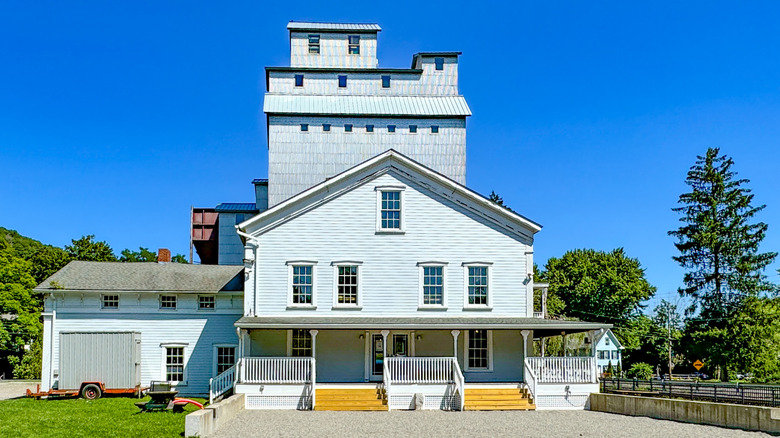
(115, 118)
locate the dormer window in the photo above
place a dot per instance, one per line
(439, 62)
(354, 44)
(314, 43)
(299, 80)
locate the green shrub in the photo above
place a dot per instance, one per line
(641, 370)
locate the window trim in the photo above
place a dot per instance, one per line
(466, 305)
(402, 226)
(466, 366)
(164, 362)
(103, 302)
(215, 356)
(421, 284)
(342, 306)
(290, 339)
(214, 297)
(175, 302)
(290, 303)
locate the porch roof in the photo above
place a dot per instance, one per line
(541, 327)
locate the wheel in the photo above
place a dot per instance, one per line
(91, 392)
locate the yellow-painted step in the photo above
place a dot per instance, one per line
(501, 408)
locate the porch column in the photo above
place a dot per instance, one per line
(525, 334)
(313, 333)
(455, 334)
(542, 343)
(563, 335)
(384, 345)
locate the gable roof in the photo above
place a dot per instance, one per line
(608, 333)
(143, 277)
(392, 158)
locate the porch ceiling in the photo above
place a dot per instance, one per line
(541, 327)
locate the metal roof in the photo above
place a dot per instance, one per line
(144, 277)
(346, 27)
(237, 207)
(454, 106)
(547, 326)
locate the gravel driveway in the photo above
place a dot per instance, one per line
(14, 389)
(464, 424)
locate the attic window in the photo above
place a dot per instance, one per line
(347, 127)
(386, 81)
(434, 129)
(168, 302)
(369, 128)
(314, 43)
(606, 341)
(299, 80)
(109, 302)
(342, 81)
(354, 44)
(439, 63)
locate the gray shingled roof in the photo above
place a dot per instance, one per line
(346, 27)
(454, 106)
(144, 277)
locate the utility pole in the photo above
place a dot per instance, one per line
(669, 330)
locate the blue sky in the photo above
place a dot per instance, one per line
(115, 118)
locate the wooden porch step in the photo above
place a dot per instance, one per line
(501, 408)
(478, 391)
(345, 399)
(350, 408)
(498, 399)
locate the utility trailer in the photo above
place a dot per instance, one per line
(97, 363)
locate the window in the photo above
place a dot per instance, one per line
(391, 128)
(299, 80)
(109, 302)
(304, 127)
(174, 364)
(354, 44)
(168, 302)
(478, 346)
(386, 81)
(226, 358)
(433, 285)
(314, 43)
(615, 354)
(434, 129)
(606, 341)
(342, 81)
(348, 128)
(326, 127)
(413, 129)
(302, 284)
(439, 63)
(478, 285)
(206, 302)
(369, 128)
(391, 210)
(300, 343)
(347, 285)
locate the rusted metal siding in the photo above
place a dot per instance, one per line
(113, 358)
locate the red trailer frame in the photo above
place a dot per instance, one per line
(88, 390)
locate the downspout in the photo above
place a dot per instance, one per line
(252, 240)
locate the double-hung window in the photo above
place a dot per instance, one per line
(225, 358)
(168, 302)
(390, 203)
(206, 302)
(354, 44)
(301, 281)
(477, 280)
(174, 364)
(300, 343)
(432, 285)
(314, 43)
(479, 350)
(109, 302)
(347, 284)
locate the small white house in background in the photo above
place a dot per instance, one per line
(183, 315)
(608, 350)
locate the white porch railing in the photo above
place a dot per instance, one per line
(423, 370)
(530, 378)
(276, 370)
(563, 369)
(222, 383)
(386, 381)
(460, 382)
(539, 315)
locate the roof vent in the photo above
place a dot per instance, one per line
(164, 255)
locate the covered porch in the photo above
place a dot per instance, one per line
(450, 363)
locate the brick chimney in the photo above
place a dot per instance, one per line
(164, 255)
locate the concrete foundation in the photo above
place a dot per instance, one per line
(755, 418)
(208, 420)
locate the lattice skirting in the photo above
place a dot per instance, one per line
(572, 401)
(277, 402)
(445, 402)
(400, 401)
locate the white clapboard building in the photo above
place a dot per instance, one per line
(373, 278)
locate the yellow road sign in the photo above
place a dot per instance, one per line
(698, 365)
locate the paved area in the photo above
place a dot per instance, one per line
(557, 424)
(15, 389)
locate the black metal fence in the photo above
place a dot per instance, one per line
(746, 394)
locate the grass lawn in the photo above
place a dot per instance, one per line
(108, 417)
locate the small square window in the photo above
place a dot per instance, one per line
(168, 302)
(206, 302)
(386, 81)
(299, 80)
(439, 63)
(342, 81)
(326, 127)
(314, 43)
(390, 128)
(354, 44)
(369, 128)
(347, 128)
(434, 129)
(412, 129)
(110, 302)
(304, 127)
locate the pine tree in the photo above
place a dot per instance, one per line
(719, 248)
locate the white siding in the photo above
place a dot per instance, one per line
(429, 83)
(333, 50)
(345, 229)
(299, 160)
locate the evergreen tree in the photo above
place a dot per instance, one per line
(719, 248)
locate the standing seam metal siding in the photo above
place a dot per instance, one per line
(111, 358)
